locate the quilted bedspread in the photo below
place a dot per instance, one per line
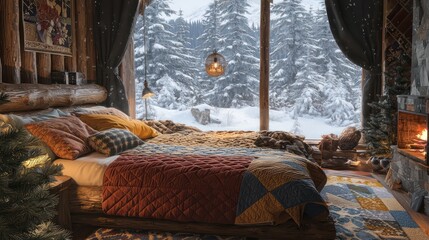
(213, 185)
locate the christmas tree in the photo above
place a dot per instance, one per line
(381, 129)
(26, 205)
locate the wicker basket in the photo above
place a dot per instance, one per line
(349, 138)
(329, 143)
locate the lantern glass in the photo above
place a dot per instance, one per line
(215, 65)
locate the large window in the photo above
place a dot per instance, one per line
(314, 89)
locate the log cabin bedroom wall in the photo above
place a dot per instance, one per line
(27, 67)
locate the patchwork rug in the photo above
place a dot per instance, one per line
(361, 207)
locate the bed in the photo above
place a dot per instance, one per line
(201, 182)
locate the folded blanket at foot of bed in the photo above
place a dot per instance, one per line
(213, 185)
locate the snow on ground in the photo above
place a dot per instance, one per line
(247, 118)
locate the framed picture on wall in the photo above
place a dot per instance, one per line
(47, 26)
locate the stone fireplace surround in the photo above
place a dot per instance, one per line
(412, 173)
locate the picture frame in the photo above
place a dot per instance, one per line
(47, 26)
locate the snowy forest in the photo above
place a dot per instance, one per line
(310, 77)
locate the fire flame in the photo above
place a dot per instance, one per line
(423, 135)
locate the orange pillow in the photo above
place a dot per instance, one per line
(103, 122)
(66, 136)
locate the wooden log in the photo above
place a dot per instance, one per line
(264, 108)
(309, 230)
(57, 63)
(10, 41)
(70, 64)
(127, 74)
(80, 33)
(29, 67)
(90, 45)
(43, 68)
(26, 97)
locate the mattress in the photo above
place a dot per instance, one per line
(87, 170)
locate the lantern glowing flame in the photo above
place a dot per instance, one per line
(423, 135)
(215, 64)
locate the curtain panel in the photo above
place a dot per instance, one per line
(113, 25)
(357, 28)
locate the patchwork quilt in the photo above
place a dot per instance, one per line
(213, 185)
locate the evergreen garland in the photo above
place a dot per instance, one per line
(26, 205)
(381, 129)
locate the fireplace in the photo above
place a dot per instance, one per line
(413, 113)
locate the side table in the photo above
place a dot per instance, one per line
(61, 188)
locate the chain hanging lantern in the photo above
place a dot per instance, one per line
(215, 64)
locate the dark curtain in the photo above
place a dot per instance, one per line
(113, 25)
(357, 29)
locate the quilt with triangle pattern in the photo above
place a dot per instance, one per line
(213, 185)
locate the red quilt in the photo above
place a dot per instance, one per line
(190, 188)
(213, 185)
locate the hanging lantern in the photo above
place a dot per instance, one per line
(147, 92)
(215, 64)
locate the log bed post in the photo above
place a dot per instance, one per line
(264, 108)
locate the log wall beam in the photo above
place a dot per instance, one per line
(43, 68)
(80, 36)
(10, 49)
(27, 97)
(57, 63)
(264, 107)
(29, 67)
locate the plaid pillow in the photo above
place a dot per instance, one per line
(113, 141)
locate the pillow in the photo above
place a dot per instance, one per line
(55, 113)
(113, 141)
(66, 136)
(39, 145)
(103, 122)
(101, 110)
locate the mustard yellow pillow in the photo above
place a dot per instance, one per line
(103, 122)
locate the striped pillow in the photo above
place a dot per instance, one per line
(113, 141)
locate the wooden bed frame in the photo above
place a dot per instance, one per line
(85, 207)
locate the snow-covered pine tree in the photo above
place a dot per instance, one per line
(196, 29)
(209, 41)
(289, 29)
(168, 65)
(340, 84)
(239, 86)
(26, 206)
(182, 31)
(305, 93)
(189, 63)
